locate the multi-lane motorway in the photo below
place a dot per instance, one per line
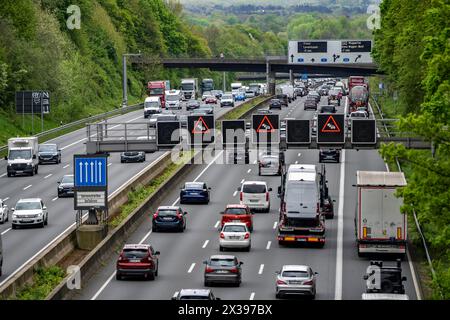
(22, 245)
(180, 265)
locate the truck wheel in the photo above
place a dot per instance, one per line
(9, 175)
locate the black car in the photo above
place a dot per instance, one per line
(275, 103)
(310, 103)
(65, 186)
(49, 153)
(332, 155)
(192, 104)
(283, 98)
(132, 156)
(327, 109)
(169, 218)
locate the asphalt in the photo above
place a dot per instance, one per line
(340, 270)
(21, 245)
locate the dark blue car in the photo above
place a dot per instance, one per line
(194, 192)
(169, 218)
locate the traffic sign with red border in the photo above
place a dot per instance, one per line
(330, 128)
(265, 128)
(201, 129)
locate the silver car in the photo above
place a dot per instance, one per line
(235, 235)
(269, 164)
(296, 279)
(223, 269)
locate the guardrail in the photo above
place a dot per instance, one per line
(83, 121)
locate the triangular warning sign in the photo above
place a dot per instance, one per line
(331, 126)
(265, 125)
(200, 127)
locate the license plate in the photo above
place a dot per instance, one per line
(235, 220)
(295, 282)
(19, 171)
(252, 200)
(135, 260)
(221, 271)
(289, 239)
(167, 219)
(235, 237)
(27, 220)
(301, 239)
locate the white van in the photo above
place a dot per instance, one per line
(173, 99)
(152, 105)
(255, 194)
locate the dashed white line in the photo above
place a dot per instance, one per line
(48, 176)
(242, 181)
(299, 154)
(66, 166)
(191, 267)
(205, 244)
(5, 231)
(109, 164)
(275, 224)
(252, 296)
(54, 199)
(27, 187)
(261, 268)
(235, 193)
(254, 162)
(7, 198)
(296, 162)
(1, 176)
(217, 224)
(268, 245)
(249, 170)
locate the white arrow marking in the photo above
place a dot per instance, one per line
(96, 172)
(86, 170)
(81, 172)
(100, 171)
(92, 172)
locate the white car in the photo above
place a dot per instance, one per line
(235, 235)
(255, 194)
(3, 212)
(295, 279)
(29, 212)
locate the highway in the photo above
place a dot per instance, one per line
(21, 245)
(180, 265)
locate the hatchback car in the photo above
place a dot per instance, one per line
(314, 94)
(275, 103)
(223, 269)
(310, 103)
(330, 154)
(194, 294)
(65, 186)
(49, 153)
(328, 109)
(137, 260)
(235, 235)
(195, 192)
(210, 100)
(255, 194)
(237, 213)
(169, 218)
(29, 212)
(132, 156)
(295, 279)
(269, 164)
(192, 104)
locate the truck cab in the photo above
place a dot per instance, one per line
(22, 156)
(157, 89)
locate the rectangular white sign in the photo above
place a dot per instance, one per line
(330, 52)
(91, 199)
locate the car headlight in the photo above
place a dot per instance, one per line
(14, 216)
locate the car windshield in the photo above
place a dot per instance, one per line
(236, 211)
(188, 86)
(235, 228)
(47, 148)
(35, 205)
(222, 262)
(192, 102)
(227, 96)
(134, 253)
(67, 179)
(156, 91)
(295, 274)
(196, 186)
(167, 212)
(173, 97)
(267, 159)
(327, 109)
(19, 154)
(254, 188)
(131, 153)
(167, 118)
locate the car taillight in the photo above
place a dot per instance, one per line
(399, 233)
(208, 270)
(222, 236)
(281, 282)
(247, 235)
(234, 270)
(179, 216)
(155, 216)
(267, 196)
(240, 196)
(308, 283)
(122, 258)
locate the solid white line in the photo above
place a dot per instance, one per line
(6, 231)
(6, 199)
(192, 267)
(261, 269)
(1, 176)
(109, 164)
(145, 237)
(48, 176)
(205, 244)
(268, 245)
(27, 187)
(66, 166)
(275, 224)
(54, 199)
(340, 232)
(249, 170)
(235, 193)
(72, 144)
(217, 224)
(252, 296)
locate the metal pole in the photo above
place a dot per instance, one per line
(124, 84)
(42, 113)
(224, 82)
(23, 109)
(267, 75)
(32, 114)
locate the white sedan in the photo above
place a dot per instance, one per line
(235, 235)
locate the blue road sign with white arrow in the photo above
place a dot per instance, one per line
(90, 172)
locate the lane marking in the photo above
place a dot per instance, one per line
(235, 193)
(54, 199)
(5, 231)
(109, 164)
(340, 232)
(27, 187)
(1, 176)
(205, 244)
(261, 268)
(268, 245)
(252, 296)
(275, 224)
(254, 162)
(7, 198)
(217, 224)
(48, 176)
(296, 162)
(249, 170)
(299, 154)
(242, 181)
(66, 166)
(192, 267)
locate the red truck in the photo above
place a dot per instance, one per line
(357, 81)
(157, 89)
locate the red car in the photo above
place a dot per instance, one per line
(137, 260)
(237, 213)
(211, 100)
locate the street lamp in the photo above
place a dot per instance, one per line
(124, 84)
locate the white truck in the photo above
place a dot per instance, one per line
(235, 86)
(173, 99)
(152, 105)
(22, 156)
(289, 90)
(189, 88)
(380, 226)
